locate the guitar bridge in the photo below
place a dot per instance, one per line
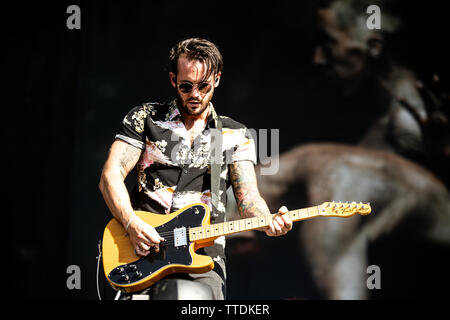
(180, 238)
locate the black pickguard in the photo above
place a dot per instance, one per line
(168, 253)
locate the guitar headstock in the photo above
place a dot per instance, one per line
(343, 209)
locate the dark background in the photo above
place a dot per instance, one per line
(65, 93)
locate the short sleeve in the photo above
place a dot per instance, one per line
(132, 129)
(245, 149)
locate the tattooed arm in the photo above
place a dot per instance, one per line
(121, 160)
(249, 201)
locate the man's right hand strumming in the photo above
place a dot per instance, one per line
(143, 236)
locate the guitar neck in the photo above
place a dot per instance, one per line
(241, 225)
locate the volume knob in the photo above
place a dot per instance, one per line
(120, 270)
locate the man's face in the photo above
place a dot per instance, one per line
(341, 56)
(193, 91)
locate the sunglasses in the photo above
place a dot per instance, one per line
(187, 87)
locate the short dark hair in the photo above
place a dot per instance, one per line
(197, 49)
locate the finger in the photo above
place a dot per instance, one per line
(279, 221)
(283, 210)
(270, 231)
(428, 93)
(141, 252)
(156, 234)
(416, 115)
(144, 237)
(277, 227)
(283, 228)
(142, 243)
(287, 222)
(152, 236)
(144, 247)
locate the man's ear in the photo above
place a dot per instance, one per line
(217, 79)
(375, 45)
(173, 77)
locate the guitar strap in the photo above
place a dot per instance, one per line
(216, 166)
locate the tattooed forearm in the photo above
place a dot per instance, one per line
(243, 180)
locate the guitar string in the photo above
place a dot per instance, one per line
(172, 233)
(231, 225)
(169, 236)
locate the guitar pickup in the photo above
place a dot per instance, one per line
(180, 238)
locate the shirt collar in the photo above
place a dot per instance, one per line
(173, 110)
(174, 114)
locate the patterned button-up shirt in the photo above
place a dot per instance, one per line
(172, 173)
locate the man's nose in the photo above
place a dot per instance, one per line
(195, 92)
(319, 56)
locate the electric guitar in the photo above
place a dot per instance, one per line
(185, 231)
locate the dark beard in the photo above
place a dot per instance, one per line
(184, 108)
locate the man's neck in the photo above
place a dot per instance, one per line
(191, 120)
